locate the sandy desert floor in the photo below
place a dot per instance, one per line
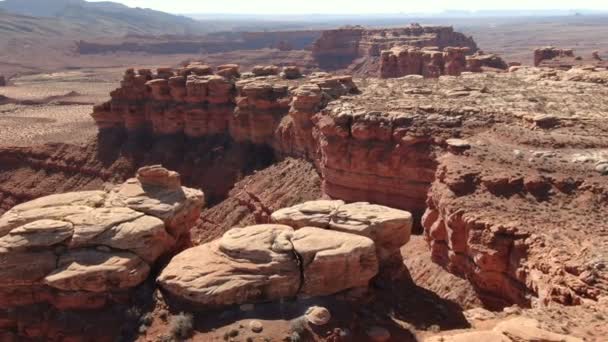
(53, 107)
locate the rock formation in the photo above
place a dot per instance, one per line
(431, 63)
(388, 228)
(400, 138)
(550, 52)
(338, 48)
(332, 247)
(552, 57)
(192, 101)
(2, 81)
(85, 250)
(481, 61)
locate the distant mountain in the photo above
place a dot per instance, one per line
(93, 18)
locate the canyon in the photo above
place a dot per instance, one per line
(410, 204)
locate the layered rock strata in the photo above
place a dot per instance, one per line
(477, 224)
(431, 63)
(194, 102)
(323, 247)
(407, 60)
(83, 250)
(338, 48)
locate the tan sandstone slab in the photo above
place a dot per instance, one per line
(312, 213)
(41, 233)
(97, 271)
(334, 261)
(260, 263)
(239, 268)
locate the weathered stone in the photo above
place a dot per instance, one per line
(388, 228)
(96, 271)
(78, 250)
(246, 265)
(527, 329)
(313, 213)
(261, 263)
(334, 261)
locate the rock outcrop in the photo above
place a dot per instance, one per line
(550, 52)
(194, 102)
(338, 48)
(565, 59)
(2, 81)
(270, 262)
(431, 63)
(389, 228)
(481, 61)
(314, 249)
(84, 250)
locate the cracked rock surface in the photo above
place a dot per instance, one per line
(315, 248)
(269, 262)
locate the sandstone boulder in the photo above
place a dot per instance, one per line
(270, 262)
(291, 72)
(334, 261)
(246, 265)
(313, 213)
(388, 228)
(268, 70)
(92, 242)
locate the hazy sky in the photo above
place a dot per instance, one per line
(353, 6)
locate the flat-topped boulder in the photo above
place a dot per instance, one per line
(95, 243)
(270, 262)
(389, 228)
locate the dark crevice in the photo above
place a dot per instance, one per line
(300, 262)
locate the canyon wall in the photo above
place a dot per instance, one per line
(292, 117)
(211, 43)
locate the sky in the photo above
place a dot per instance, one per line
(354, 6)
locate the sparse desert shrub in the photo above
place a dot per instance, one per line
(295, 337)
(146, 319)
(298, 325)
(181, 326)
(164, 338)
